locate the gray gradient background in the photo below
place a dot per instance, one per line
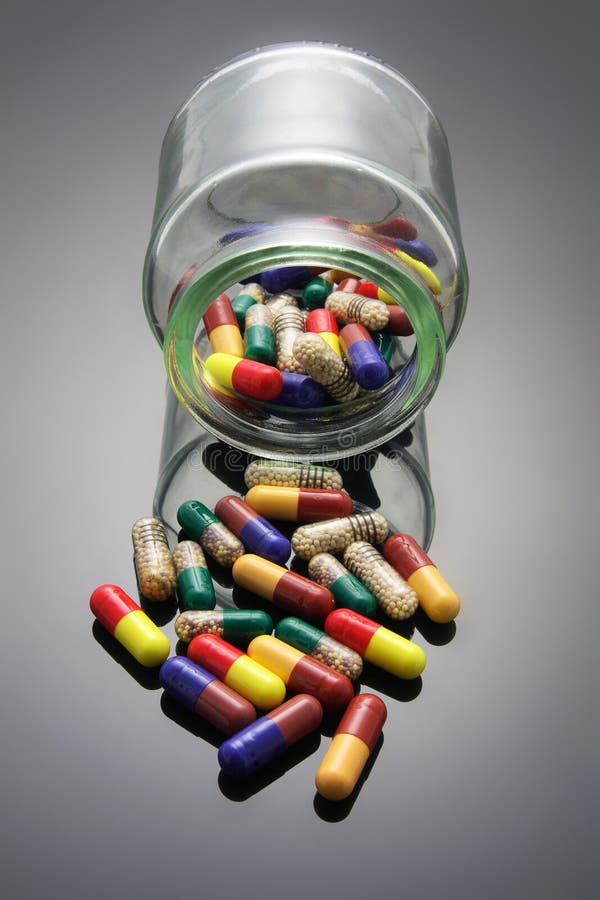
(486, 784)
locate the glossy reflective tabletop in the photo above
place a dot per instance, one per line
(485, 783)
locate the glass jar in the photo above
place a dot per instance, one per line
(303, 154)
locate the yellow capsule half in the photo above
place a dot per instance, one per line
(395, 654)
(428, 276)
(142, 638)
(341, 766)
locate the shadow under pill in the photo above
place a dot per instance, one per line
(240, 789)
(192, 723)
(161, 612)
(337, 810)
(145, 676)
(434, 633)
(401, 689)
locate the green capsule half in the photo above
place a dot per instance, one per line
(196, 589)
(238, 626)
(316, 293)
(194, 517)
(351, 593)
(259, 344)
(240, 305)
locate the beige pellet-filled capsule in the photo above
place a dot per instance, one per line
(325, 366)
(278, 302)
(288, 324)
(279, 473)
(152, 559)
(346, 307)
(336, 534)
(393, 594)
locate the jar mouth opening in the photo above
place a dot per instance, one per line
(326, 432)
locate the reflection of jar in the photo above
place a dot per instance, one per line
(296, 155)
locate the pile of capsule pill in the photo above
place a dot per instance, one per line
(266, 688)
(303, 337)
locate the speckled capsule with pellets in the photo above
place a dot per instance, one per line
(347, 308)
(348, 591)
(152, 559)
(280, 301)
(279, 473)
(233, 625)
(334, 535)
(393, 594)
(214, 537)
(325, 366)
(288, 324)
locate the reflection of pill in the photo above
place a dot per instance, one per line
(253, 379)
(418, 250)
(235, 625)
(202, 693)
(293, 504)
(396, 227)
(289, 474)
(438, 600)
(288, 590)
(129, 624)
(270, 736)
(222, 327)
(244, 675)
(302, 673)
(257, 535)
(375, 643)
(352, 744)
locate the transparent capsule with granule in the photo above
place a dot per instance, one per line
(279, 473)
(312, 640)
(348, 591)
(154, 566)
(325, 366)
(393, 594)
(234, 625)
(214, 537)
(288, 324)
(346, 307)
(334, 535)
(194, 584)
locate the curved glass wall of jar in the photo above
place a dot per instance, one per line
(392, 479)
(309, 134)
(256, 175)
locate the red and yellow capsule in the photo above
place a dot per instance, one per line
(253, 379)
(222, 327)
(375, 643)
(372, 290)
(352, 744)
(128, 622)
(288, 590)
(233, 667)
(437, 599)
(292, 504)
(302, 673)
(323, 322)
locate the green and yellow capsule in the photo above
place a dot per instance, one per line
(194, 584)
(314, 642)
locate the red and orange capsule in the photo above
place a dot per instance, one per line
(438, 600)
(288, 590)
(292, 504)
(233, 667)
(222, 327)
(352, 744)
(302, 673)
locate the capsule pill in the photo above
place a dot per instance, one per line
(310, 639)
(283, 588)
(335, 535)
(284, 474)
(438, 600)
(376, 644)
(348, 308)
(128, 623)
(325, 366)
(259, 338)
(194, 584)
(214, 537)
(253, 379)
(288, 325)
(255, 532)
(292, 504)
(348, 591)
(222, 327)
(233, 625)
(393, 594)
(154, 567)
(366, 362)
